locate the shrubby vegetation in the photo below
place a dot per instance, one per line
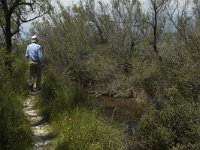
(119, 47)
(172, 125)
(171, 119)
(15, 131)
(73, 119)
(118, 50)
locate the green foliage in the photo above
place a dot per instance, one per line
(77, 126)
(161, 76)
(172, 121)
(109, 48)
(15, 132)
(86, 130)
(58, 97)
(88, 46)
(174, 124)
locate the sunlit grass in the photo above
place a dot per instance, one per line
(84, 129)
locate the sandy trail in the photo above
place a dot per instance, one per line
(41, 130)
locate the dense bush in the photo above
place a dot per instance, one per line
(173, 124)
(185, 78)
(171, 120)
(15, 132)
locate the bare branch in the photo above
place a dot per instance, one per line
(17, 12)
(28, 20)
(15, 4)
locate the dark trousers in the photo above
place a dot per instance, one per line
(35, 74)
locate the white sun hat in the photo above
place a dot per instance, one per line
(34, 38)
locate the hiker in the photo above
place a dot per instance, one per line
(36, 61)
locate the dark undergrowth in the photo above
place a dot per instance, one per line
(15, 131)
(171, 120)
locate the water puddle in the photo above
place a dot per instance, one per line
(125, 111)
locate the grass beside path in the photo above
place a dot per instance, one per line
(86, 130)
(15, 130)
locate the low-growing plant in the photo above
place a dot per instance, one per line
(86, 130)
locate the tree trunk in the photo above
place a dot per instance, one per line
(8, 37)
(8, 41)
(155, 33)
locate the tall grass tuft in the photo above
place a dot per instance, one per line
(57, 97)
(86, 130)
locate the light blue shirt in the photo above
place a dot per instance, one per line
(34, 53)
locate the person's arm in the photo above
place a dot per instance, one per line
(40, 55)
(26, 55)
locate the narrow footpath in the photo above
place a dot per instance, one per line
(41, 131)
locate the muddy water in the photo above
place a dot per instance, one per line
(124, 111)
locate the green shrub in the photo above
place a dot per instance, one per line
(175, 124)
(184, 78)
(15, 131)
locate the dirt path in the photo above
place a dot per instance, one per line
(41, 130)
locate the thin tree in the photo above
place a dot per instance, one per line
(180, 17)
(157, 6)
(17, 12)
